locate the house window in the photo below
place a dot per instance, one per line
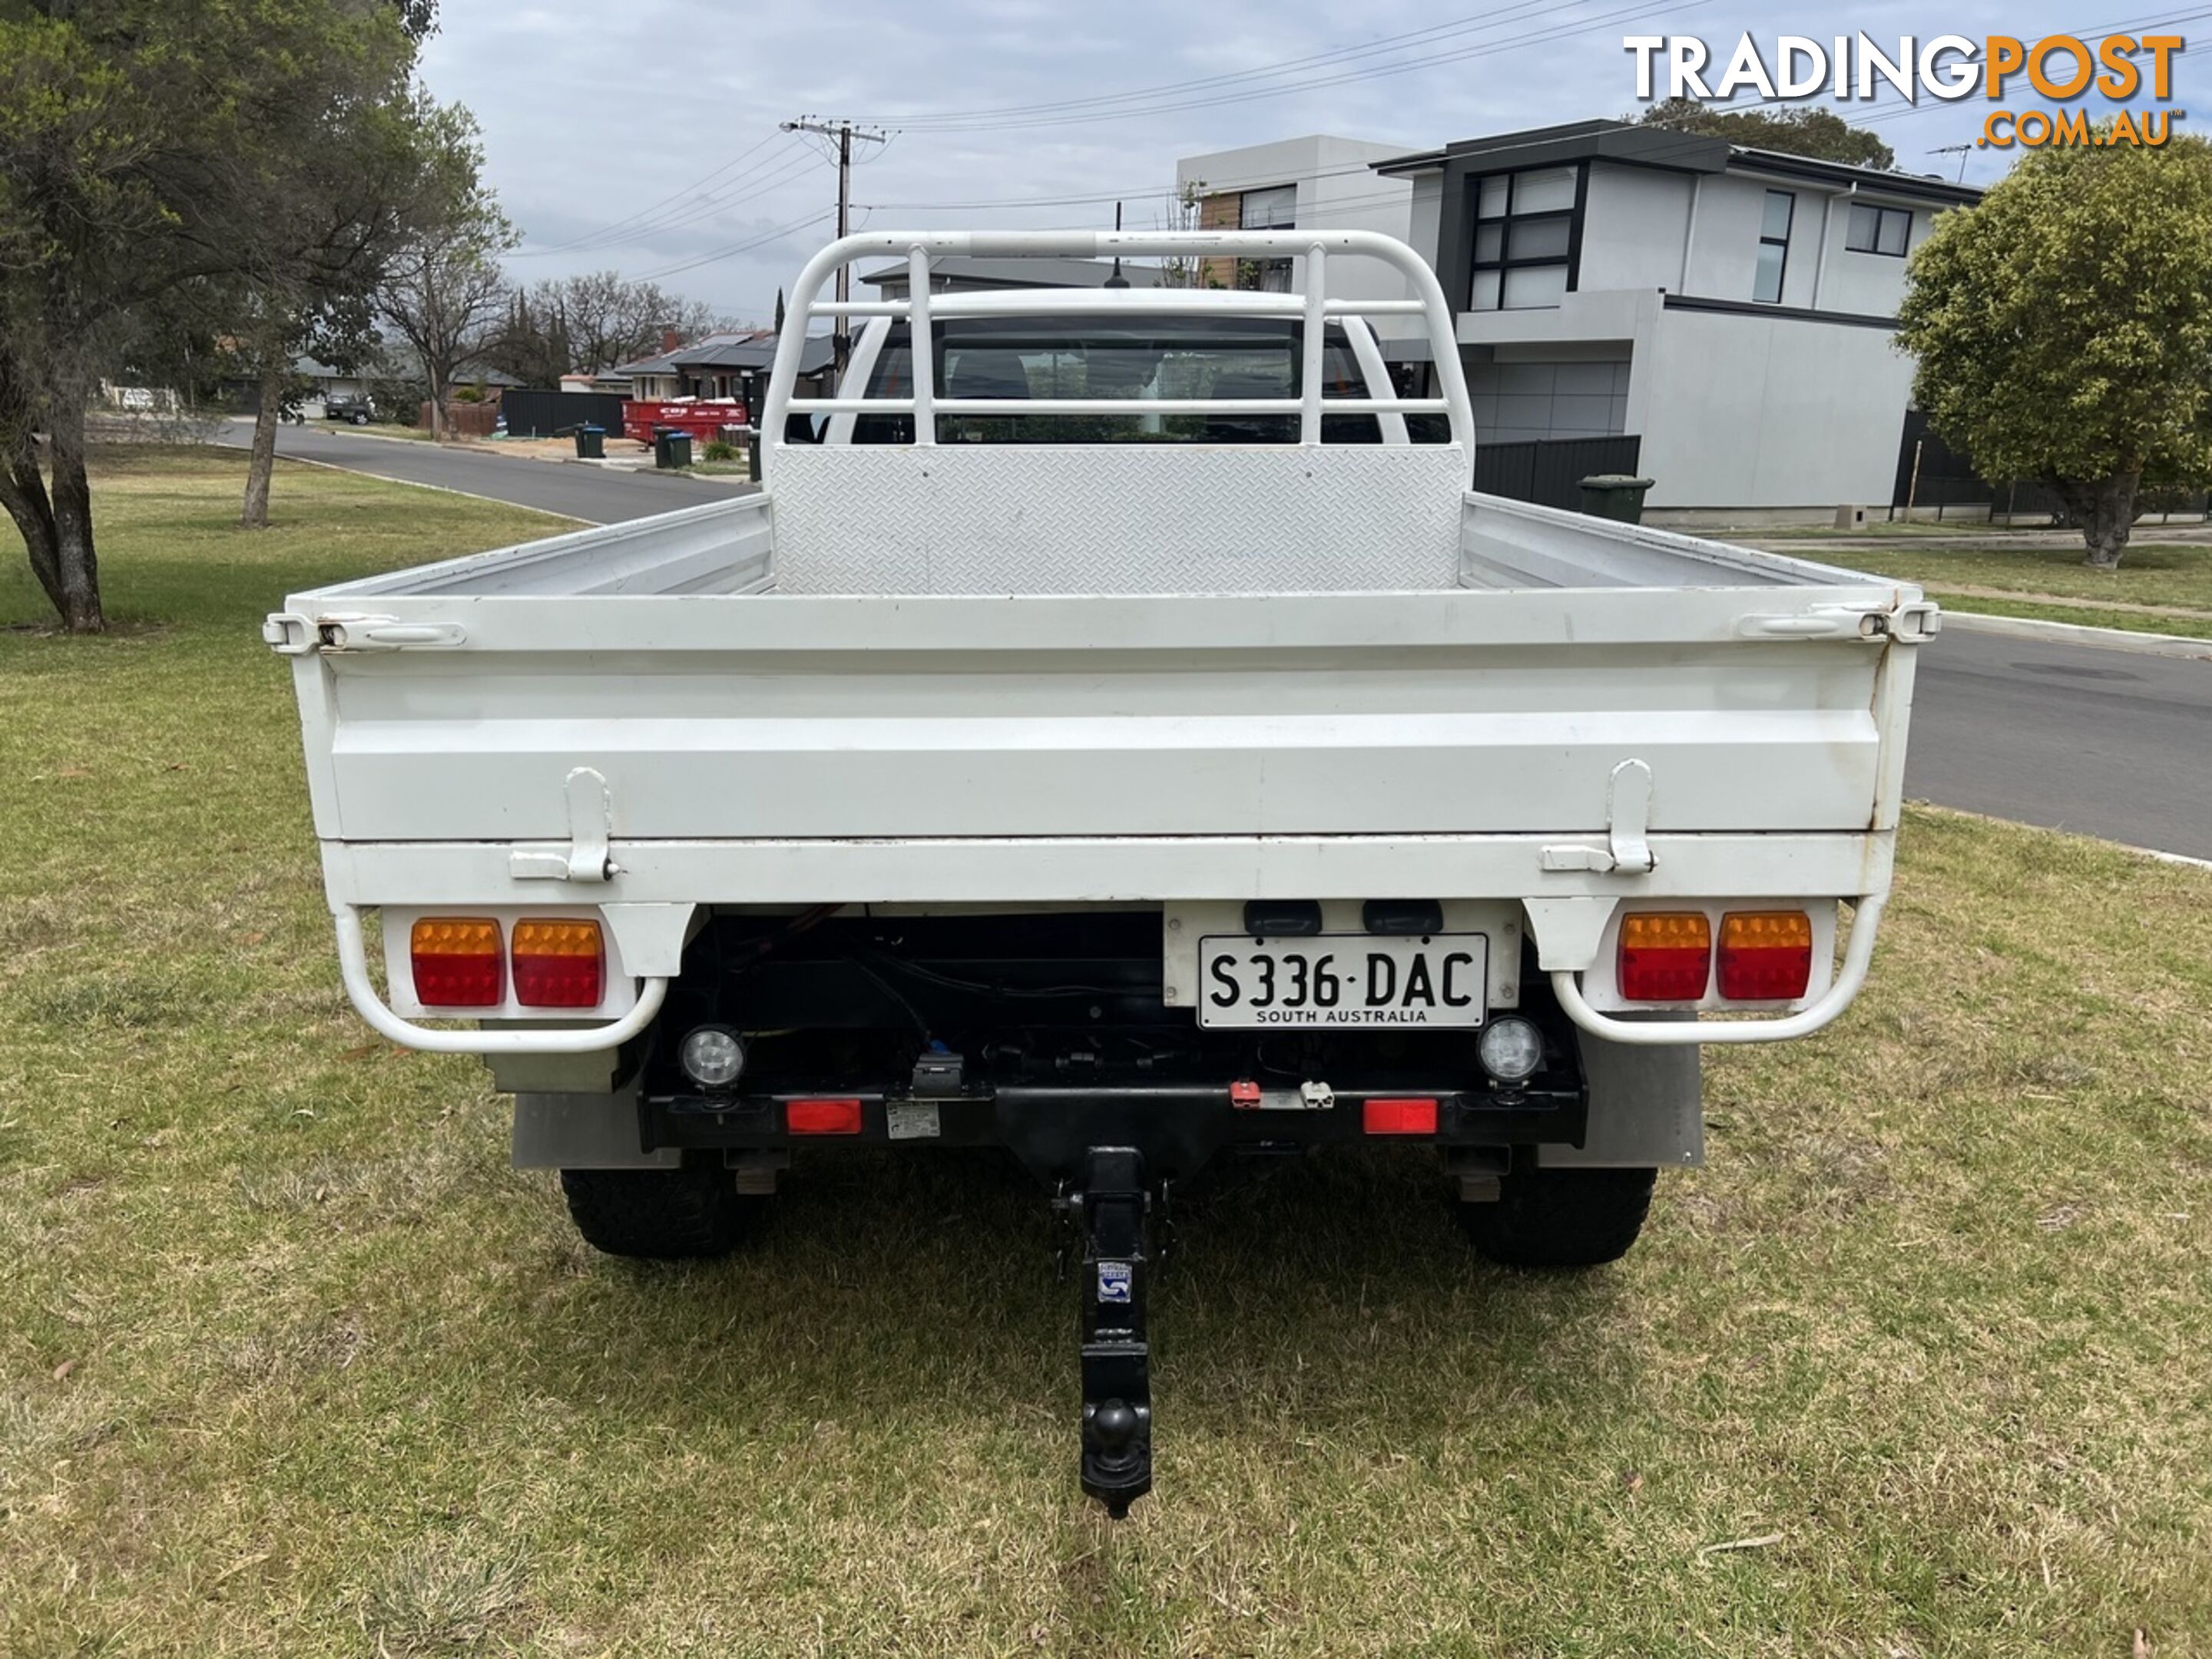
(1773, 247)
(1273, 209)
(1878, 230)
(1525, 225)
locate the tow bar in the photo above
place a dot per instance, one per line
(1113, 1208)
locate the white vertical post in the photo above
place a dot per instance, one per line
(920, 353)
(1316, 266)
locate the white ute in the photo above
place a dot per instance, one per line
(1117, 735)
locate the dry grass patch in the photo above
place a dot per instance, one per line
(290, 1363)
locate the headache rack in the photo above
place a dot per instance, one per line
(1312, 251)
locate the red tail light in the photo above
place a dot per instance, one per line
(559, 964)
(1766, 955)
(456, 963)
(821, 1118)
(1665, 956)
(1399, 1117)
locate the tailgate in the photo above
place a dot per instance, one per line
(778, 716)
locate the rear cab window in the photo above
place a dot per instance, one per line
(1138, 359)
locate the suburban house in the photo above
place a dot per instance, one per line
(725, 365)
(1732, 309)
(1313, 183)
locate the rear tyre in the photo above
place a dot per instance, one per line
(1560, 1218)
(662, 1215)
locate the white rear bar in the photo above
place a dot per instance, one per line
(1092, 302)
(1111, 405)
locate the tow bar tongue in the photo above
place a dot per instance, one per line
(1113, 1208)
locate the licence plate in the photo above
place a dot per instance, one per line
(1342, 978)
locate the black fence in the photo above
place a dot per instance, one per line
(549, 413)
(1550, 471)
(1933, 478)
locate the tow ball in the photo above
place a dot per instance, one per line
(1113, 1208)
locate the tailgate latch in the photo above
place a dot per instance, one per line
(591, 821)
(290, 634)
(1627, 851)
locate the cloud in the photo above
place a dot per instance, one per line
(605, 126)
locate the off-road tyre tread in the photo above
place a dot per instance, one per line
(660, 1215)
(1560, 1218)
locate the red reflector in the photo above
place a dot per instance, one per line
(558, 964)
(456, 962)
(1399, 1117)
(821, 1118)
(1766, 955)
(1665, 956)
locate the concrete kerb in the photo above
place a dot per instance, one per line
(2058, 633)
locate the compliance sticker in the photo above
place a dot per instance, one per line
(912, 1120)
(1115, 1279)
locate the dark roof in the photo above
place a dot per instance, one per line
(1661, 147)
(1020, 273)
(755, 351)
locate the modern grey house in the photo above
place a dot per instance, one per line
(1734, 308)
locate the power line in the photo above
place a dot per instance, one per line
(1492, 48)
(921, 119)
(574, 243)
(780, 169)
(736, 248)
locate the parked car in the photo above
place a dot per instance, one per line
(1110, 737)
(351, 407)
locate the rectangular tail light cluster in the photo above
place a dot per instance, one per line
(463, 962)
(1666, 955)
(1766, 955)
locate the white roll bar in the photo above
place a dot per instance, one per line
(1313, 249)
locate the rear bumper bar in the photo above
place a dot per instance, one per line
(1858, 952)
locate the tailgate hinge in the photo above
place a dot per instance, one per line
(591, 821)
(290, 634)
(1627, 851)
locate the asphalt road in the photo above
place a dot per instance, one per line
(2103, 743)
(597, 494)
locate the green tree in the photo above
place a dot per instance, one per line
(333, 212)
(444, 291)
(138, 139)
(2064, 327)
(1820, 133)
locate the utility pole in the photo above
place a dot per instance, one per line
(844, 132)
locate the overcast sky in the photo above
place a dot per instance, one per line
(641, 135)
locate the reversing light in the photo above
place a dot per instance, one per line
(559, 963)
(711, 1056)
(1511, 1049)
(1399, 1117)
(1766, 955)
(1665, 956)
(821, 1118)
(457, 961)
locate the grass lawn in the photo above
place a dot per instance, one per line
(291, 1363)
(2151, 573)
